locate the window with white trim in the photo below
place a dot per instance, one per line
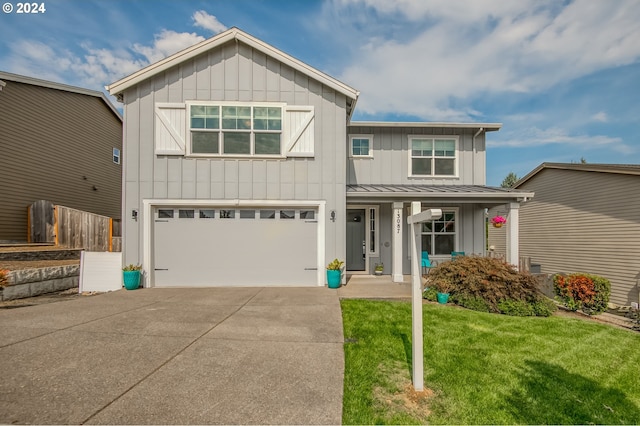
(235, 129)
(433, 156)
(439, 236)
(361, 146)
(373, 231)
(116, 156)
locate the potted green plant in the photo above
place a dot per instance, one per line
(131, 276)
(379, 268)
(443, 287)
(334, 272)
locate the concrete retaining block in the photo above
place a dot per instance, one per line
(17, 291)
(34, 282)
(23, 276)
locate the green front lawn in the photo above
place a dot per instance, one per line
(485, 368)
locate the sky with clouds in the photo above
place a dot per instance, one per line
(562, 76)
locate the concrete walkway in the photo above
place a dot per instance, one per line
(175, 356)
(375, 287)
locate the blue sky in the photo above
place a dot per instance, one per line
(562, 76)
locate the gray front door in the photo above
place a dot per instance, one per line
(356, 244)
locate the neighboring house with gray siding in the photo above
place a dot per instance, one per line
(584, 218)
(243, 167)
(58, 144)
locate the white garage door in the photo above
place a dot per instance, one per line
(235, 246)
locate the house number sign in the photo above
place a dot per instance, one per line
(398, 221)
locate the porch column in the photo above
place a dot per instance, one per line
(396, 242)
(513, 244)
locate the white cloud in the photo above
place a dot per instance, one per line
(93, 67)
(600, 117)
(167, 43)
(209, 22)
(534, 136)
(438, 54)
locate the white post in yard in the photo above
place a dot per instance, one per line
(417, 349)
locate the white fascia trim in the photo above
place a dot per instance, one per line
(489, 127)
(147, 224)
(519, 196)
(231, 34)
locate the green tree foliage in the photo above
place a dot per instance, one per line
(510, 180)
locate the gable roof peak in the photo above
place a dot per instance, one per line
(233, 33)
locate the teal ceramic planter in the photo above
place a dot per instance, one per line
(443, 298)
(131, 279)
(333, 278)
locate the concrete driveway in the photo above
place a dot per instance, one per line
(175, 356)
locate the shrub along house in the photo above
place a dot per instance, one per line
(584, 218)
(243, 167)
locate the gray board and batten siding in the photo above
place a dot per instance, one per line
(390, 162)
(234, 71)
(585, 221)
(57, 144)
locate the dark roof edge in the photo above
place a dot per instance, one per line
(59, 86)
(626, 169)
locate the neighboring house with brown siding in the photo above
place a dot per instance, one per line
(583, 218)
(59, 143)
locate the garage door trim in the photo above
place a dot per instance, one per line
(149, 205)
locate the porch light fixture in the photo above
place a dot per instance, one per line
(134, 215)
(332, 215)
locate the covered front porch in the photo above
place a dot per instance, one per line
(377, 234)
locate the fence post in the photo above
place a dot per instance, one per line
(110, 234)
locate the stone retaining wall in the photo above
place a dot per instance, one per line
(33, 282)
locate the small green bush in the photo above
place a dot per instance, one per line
(544, 307)
(589, 293)
(473, 303)
(430, 294)
(490, 285)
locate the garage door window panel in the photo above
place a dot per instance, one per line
(165, 214)
(267, 214)
(287, 214)
(227, 214)
(307, 214)
(207, 214)
(247, 214)
(186, 214)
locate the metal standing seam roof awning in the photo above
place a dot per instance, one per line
(486, 195)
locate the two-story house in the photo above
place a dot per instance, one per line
(242, 167)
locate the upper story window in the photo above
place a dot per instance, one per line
(235, 129)
(433, 156)
(116, 155)
(361, 146)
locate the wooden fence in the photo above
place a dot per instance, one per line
(71, 228)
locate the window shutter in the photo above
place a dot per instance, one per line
(298, 133)
(171, 125)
